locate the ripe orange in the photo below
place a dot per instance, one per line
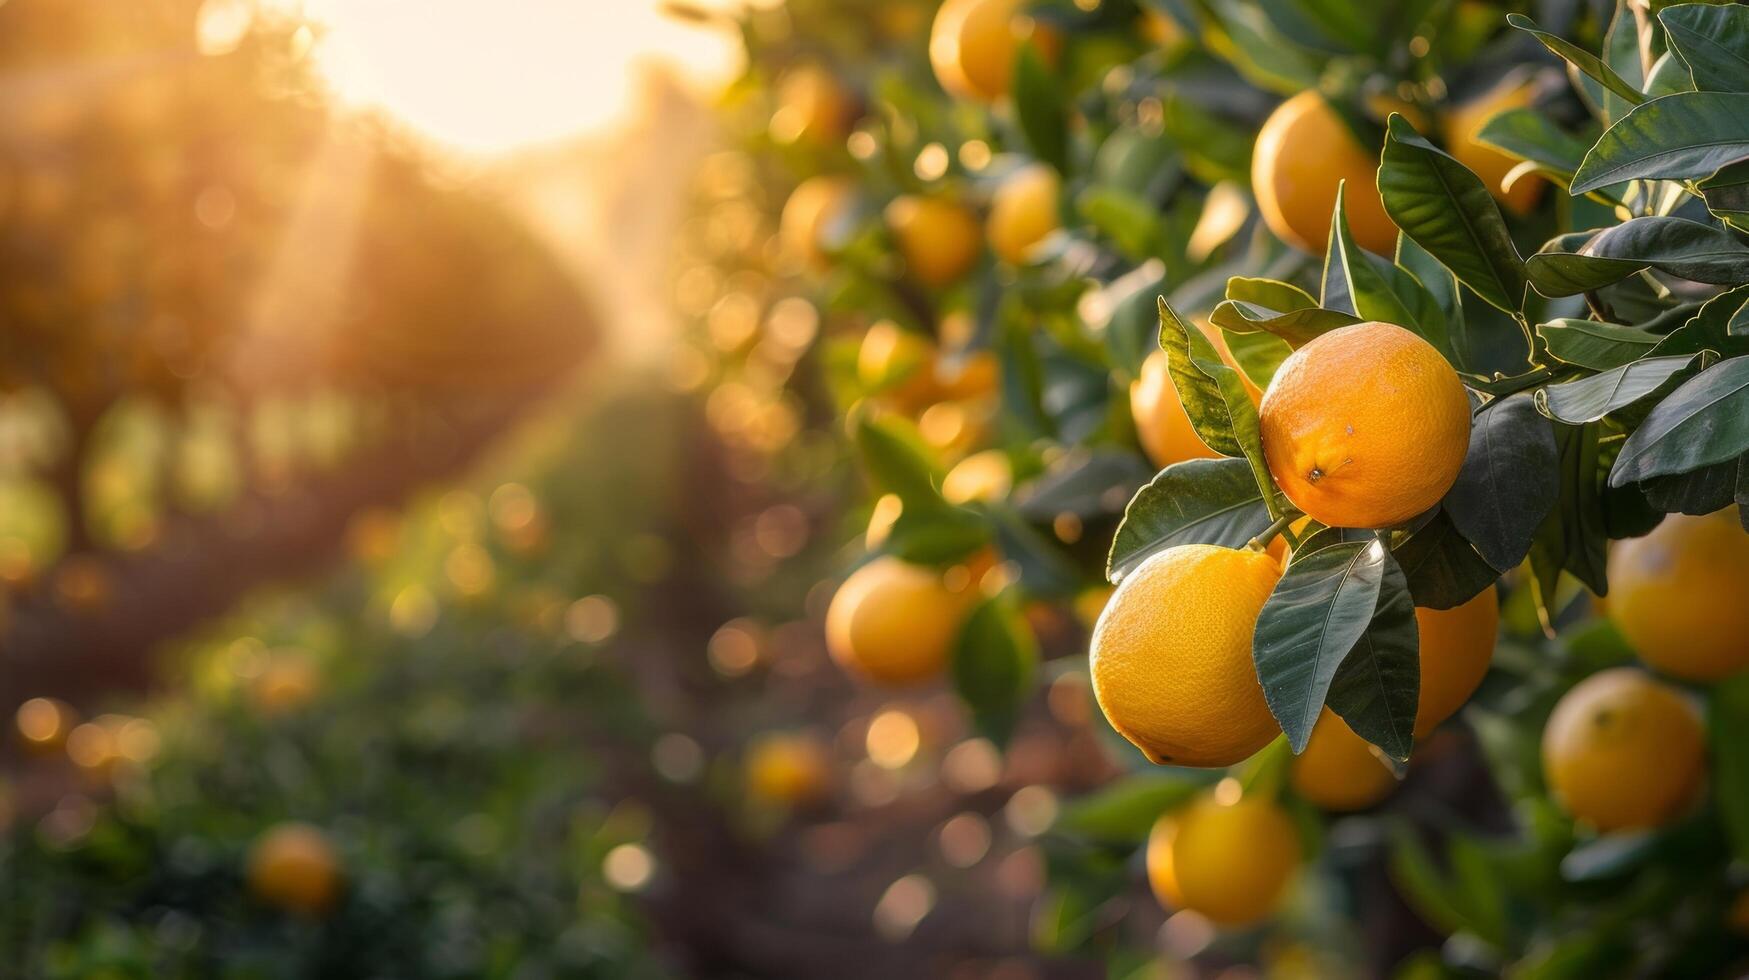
(1457, 644)
(1461, 126)
(813, 216)
(973, 44)
(1303, 151)
(1171, 656)
(981, 476)
(1023, 213)
(1623, 751)
(788, 768)
(1366, 426)
(939, 239)
(1161, 423)
(294, 867)
(1681, 595)
(894, 623)
(1338, 770)
(812, 106)
(1231, 862)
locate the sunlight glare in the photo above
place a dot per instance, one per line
(488, 78)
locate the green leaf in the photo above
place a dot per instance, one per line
(1595, 346)
(1697, 492)
(1259, 51)
(1258, 354)
(1727, 195)
(1378, 685)
(1133, 332)
(1703, 422)
(1089, 483)
(1442, 568)
(1728, 725)
(993, 663)
(1198, 501)
(1213, 394)
(1131, 222)
(1573, 537)
(1527, 135)
(897, 461)
(1713, 41)
(1590, 399)
(1352, 284)
(1318, 611)
(1683, 248)
(1709, 329)
(1214, 147)
(1579, 58)
(1296, 327)
(1446, 209)
(1269, 293)
(1124, 811)
(1688, 135)
(1042, 111)
(1508, 481)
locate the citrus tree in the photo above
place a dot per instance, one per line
(1315, 353)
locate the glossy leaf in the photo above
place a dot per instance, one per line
(1213, 394)
(1579, 58)
(1703, 422)
(1508, 481)
(1442, 568)
(1713, 41)
(1378, 685)
(1198, 501)
(1593, 345)
(1297, 327)
(1318, 611)
(1696, 492)
(1590, 399)
(1352, 283)
(1683, 248)
(1686, 135)
(1527, 135)
(1447, 210)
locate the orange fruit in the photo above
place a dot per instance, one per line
(1171, 656)
(1338, 770)
(812, 106)
(1457, 645)
(1231, 862)
(293, 866)
(973, 44)
(788, 768)
(1462, 124)
(939, 239)
(1303, 152)
(1023, 213)
(1622, 751)
(894, 623)
(813, 217)
(1681, 595)
(1366, 426)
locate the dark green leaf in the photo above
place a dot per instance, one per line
(1703, 422)
(1040, 106)
(1352, 283)
(1579, 58)
(1713, 41)
(1727, 195)
(1508, 481)
(1702, 491)
(1682, 248)
(1443, 569)
(1593, 345)
(1124, 811)
(1086, 483)
(1687, 135)
(1446, 209)
(1728, 725)
(1527, 135)
(1198, 501)
(993, 663)
(1318, 611)
(1378, 684)
(1709, 329)
(1590, 399)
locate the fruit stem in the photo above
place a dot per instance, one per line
(1262, 540)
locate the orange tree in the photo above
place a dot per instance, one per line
(1343, 339)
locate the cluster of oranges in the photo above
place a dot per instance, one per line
(1365, 427)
